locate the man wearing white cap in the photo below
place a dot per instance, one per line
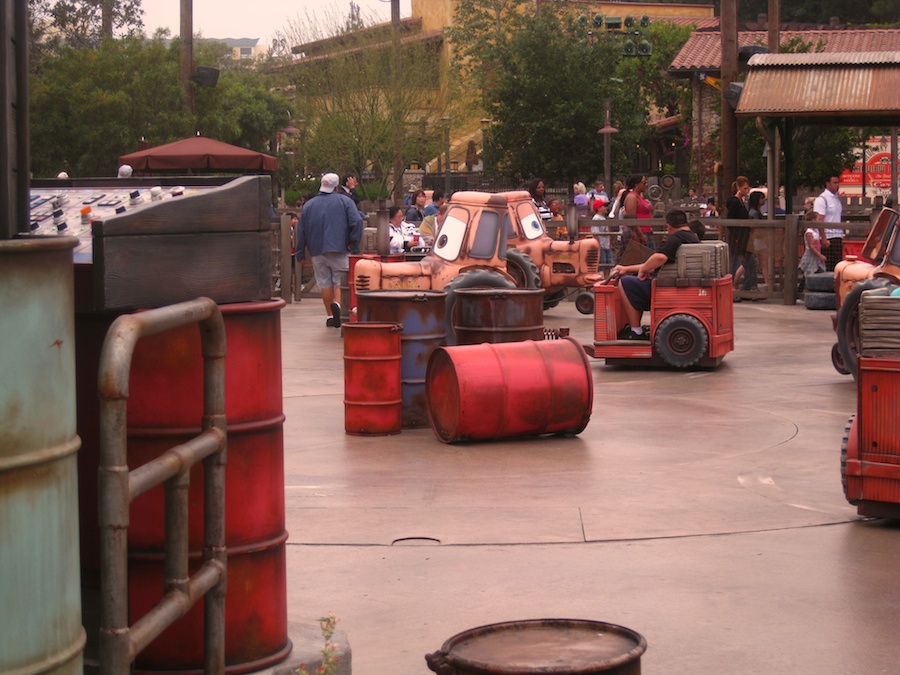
(125, 171)
(330, 226)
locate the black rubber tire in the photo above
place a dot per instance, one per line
(848, 322)
(681, 340)
(584, 302)
(837, 360)
(822, 282)
(521, 267)
(552, 300)
(814, 300)
(470, 279)
(845, 442)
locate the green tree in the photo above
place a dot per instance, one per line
(820, 11)
(547, 98)
(240, 110)
(667, 95)
(55, 24)
(91, 105)
(361, 115)
(88, 106)
(354, 19)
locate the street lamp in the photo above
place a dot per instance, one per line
(607, 152)
(446, 121)
(485, 129)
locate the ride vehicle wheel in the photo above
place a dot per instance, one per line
(470, 279)
(521, 267)
(848, 322)
(849, 433)
(837, 360)
(681, 340)
(821, 282)
(816, 300)
(584, 302)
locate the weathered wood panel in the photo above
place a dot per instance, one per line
(146, 271)
(216, 243)
(242, 205)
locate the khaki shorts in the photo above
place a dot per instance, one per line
(327, 268)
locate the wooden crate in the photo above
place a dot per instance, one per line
(707, 260)
(216, 244)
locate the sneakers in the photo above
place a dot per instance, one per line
(628, 334)
(329, 322)
(335, 315)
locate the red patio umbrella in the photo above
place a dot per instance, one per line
(198, 153)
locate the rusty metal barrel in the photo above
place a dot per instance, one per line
(165, 407)
(509, 390)
(496, 315)
(549, 646)
(421, 313)
(40, 628)
(372, 401)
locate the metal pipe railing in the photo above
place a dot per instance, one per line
(120, 643)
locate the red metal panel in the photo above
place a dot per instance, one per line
(605, 299)
(878, 402)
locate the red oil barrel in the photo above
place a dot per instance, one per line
(165, 408)
(421, 313)
(550, 646)
(514, 389)
(372, 402)
(497, 315)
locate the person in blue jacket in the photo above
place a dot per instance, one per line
(330, 226)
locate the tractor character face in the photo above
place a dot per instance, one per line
(472, 237)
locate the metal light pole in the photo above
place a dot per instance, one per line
(485, 128)
(187, 50)
(446, 121)
(607, 151)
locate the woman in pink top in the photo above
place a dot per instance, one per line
(636, 206)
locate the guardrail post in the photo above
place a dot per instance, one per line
(119, 642)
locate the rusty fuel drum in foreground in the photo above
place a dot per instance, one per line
(549, 646)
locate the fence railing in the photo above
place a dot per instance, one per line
(776, 244)
(119, 642)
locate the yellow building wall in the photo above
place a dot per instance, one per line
(438, 14)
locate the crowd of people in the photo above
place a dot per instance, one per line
(753, 248)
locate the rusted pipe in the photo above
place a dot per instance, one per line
(119, 643)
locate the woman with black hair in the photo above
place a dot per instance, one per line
(537, 191)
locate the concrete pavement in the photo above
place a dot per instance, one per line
(702, 509)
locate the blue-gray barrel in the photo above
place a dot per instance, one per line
(40, 584)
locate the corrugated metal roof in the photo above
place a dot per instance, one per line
(860, 86)
(825, 58)
(703, 50)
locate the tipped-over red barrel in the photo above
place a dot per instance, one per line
(507, 390)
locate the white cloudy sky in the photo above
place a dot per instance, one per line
(256, 18)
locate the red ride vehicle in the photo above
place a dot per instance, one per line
(691, 314)
(870, 452)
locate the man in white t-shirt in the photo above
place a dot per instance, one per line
(828, 209)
